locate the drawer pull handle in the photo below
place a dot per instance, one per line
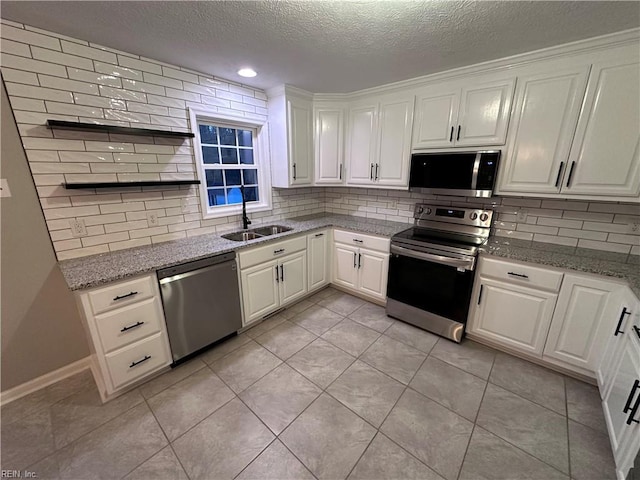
(280, 250)
(124, 329)
(319, 235)
(622, 315)
(133, 364)
(521, 275)
(637, 330)
(358, 240)
(628, 407)
(120, 297)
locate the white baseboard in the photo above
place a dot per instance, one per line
(44, 380)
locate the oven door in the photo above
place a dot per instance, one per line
(438, 285)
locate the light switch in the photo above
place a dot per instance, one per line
(4, 188)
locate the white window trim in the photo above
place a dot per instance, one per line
(261, 154)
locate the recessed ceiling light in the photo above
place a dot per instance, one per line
(247, 72)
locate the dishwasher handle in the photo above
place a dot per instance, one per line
(190, 273)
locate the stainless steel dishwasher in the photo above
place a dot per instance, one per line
(201, 302)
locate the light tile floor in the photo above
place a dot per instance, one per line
(329, 388)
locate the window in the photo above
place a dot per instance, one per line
(230, 158)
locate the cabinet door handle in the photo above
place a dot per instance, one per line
(133, 364)
(377, 167)
(451, 134)
(124, 329)
(371, 172)
(340, 172)
(521, 275)
(559, 174)
(573, 164)
(628, 407)
(294, 171)
(357, 240)
(480, 295)
(319, 235)
(120, 297)
(277, 276)
(622, 315)
(459, 128)
(359, 257)
(282, 273)
(355, 256)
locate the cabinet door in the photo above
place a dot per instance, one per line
(345, 264)
(318, 259)
(517, 317)
(620, 396)
(362, 142)
(293, 277)
(583, 317)
(329, 145)
(300, 141)
(373, 269)
(542, 127)
(484, 114)
(436, 116)
(259, 290)
(394, 153)
(624, 315)
(605, 153)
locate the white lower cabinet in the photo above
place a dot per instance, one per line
(362, 270)
(582, 318)
(318, 259)
(260, 290)
(513, 315)
(127, 333)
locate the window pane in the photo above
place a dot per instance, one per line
(227, 136)
(251, 194)
(214, 178)
(245, 138)
(229, 155)
(234, 195)
(208, 134)
(232, 177)
(250, 177)
(246, 157)
(216, 197)
(210, 155)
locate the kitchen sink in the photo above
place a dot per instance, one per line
(256, 233)
(271, 230)
(242, 236)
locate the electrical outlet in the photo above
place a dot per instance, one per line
(521, 216)
(152, 219)
(78, 228)
(634, 228)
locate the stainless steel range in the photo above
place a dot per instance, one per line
(432, 267)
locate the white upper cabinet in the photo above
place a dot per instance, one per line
(604, 158)
(543, 122)
(474, 113)
(329, 143)
(379, 141)
(291, 137)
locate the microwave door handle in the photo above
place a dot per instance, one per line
(430, 257)
(476, 169)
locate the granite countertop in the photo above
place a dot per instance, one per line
(622, 266)
(99, 269)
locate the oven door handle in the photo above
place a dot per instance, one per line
(466, 264)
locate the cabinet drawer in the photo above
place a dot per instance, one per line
(520, 274)
(370, 242)
(250, 257)
(137, 360)
(129, 324)
(123, 293)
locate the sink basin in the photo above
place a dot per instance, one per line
(242, 236)
(271, 230)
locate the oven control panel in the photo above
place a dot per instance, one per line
(444, 213)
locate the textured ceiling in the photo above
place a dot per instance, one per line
(326, 46)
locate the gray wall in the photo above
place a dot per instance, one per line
(40, 325)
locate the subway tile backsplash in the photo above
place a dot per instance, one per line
(51, 76)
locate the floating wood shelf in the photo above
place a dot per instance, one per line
(92, 127)
(152, 183)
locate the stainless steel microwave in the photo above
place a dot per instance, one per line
(470, 174)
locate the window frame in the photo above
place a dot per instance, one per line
(260, 155)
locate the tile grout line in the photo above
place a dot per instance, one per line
(566, 407)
